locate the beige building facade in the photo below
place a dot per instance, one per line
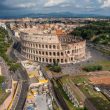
(47, 48)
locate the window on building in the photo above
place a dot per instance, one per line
(39, 59)
(61, 60)
(42, 53)
(43, 59)
(39, 52)
(46, 46)
(58, 60)
(65, 60)
(46, 60)
(54, 53)
(42, 46)
(46, 53)
(68, 52)
(61, 53)
(36, 58)
(54, 46)
(50, 53)
(58, 54)
(50, 46)
(36, 52)
(50, 60)
(36, 45)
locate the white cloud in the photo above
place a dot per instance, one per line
(50, 3)
(104, 3)
(37, 6)
(25, 5)
(87, 1)
(21, 3)
(65, 5)
(100, 1)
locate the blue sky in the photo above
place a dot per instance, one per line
(17, 7)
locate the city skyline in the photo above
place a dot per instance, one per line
(21, 7)
(54, 55)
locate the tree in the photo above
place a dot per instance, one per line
(55, 63)
(14, 67)
(92, 68)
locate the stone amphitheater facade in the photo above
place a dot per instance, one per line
(47, 48)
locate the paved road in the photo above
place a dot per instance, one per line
(20, 100)
(23, 77)
(10, 51)
(22, 97)
(99, 47)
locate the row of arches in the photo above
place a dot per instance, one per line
(53, 53)
(43, 53)
(41, 46)
(48, 60)
(51, 59)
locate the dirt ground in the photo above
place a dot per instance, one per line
(103, 78)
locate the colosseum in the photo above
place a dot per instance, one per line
(48, 44)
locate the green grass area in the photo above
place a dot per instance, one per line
(97, 98)
(104, 51)
(3, 94)
(64, 95)
(58, 84)
(67, 81)
(104, 63)
(102, 39)
(54, 68)
(2, 79)
(79, 79)
(91, 68)
(100, 23)
(94, 29)
(5, 44)
(64, 79)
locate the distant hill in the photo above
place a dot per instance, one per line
(55, 15)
